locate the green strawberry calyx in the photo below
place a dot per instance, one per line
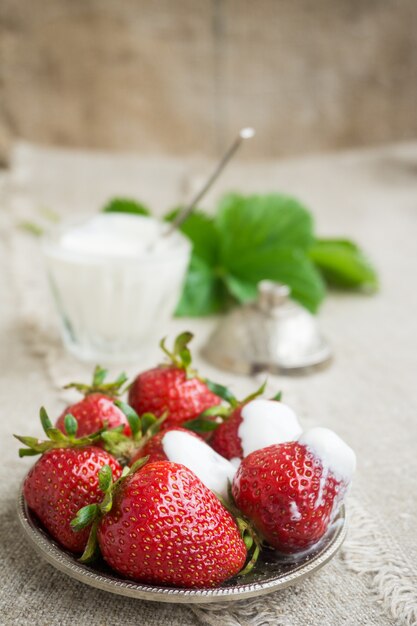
(98, 385)
(143, 428)
(250, 537)
(56, 438)
(93, 513)
(204, 422)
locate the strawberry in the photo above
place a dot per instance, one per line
(254, 425)
(97, 409)
(174, 388)
(162, 526)
(65, 478)
(180, 445)
(225, 439)
(291, 492)
(153, 449)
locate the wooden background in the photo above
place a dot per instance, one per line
(181, 76)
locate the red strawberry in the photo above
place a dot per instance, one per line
(174, 388)
(165, 527)
(97, 408)
(154, 450)
(225, 439)
(93, 413)
(254, 425)
(62, 481)
(65, 478)
(289, 493)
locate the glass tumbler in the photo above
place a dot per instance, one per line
(116, 281)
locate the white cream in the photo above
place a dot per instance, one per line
(212, 469)
(332, 451)
(267, 422)
(116, 281)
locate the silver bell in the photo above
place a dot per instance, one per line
(273, 334)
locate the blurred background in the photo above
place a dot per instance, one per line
(181, 77)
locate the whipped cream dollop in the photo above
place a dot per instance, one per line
(117, 235)
(212, 469)
(267, 422)
(332, 451)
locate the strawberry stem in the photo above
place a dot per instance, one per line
(180, 356)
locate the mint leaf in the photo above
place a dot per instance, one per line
(240, 289)
(264, 237)
(290, 267)
(204, 292)
(268, 237)
(126, 205)
(250, 223)
(343, 264)
(202, 231)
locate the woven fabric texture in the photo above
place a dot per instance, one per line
(368, 394)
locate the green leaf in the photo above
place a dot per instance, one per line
(71, 425)
(255, 394)
(137, 465)
(105, 478)
(204, 292)
(32, 442)
(148, 420)
(277, 397)
(45, 421)
(91, 550)
(267, 237)
(264, 237)
(217, 410)
(154, 428)
(258, 223)
(201, 425)
(290, 267)
(221, 391)
(57, 436)
(249, 567)
(106, 505)
(132, 417)
(99, 376)
(201, 230)
(27, 452)
(84, 517)
(126, 205)
(248, 541)
(343, 264)
(242, 290)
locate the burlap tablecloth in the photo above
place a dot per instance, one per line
(368, 394)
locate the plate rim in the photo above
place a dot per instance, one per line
(67, 564)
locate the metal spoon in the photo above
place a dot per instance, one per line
(244, 133)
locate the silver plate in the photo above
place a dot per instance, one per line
(270, 573)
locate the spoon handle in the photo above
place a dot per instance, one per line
(245, 133)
